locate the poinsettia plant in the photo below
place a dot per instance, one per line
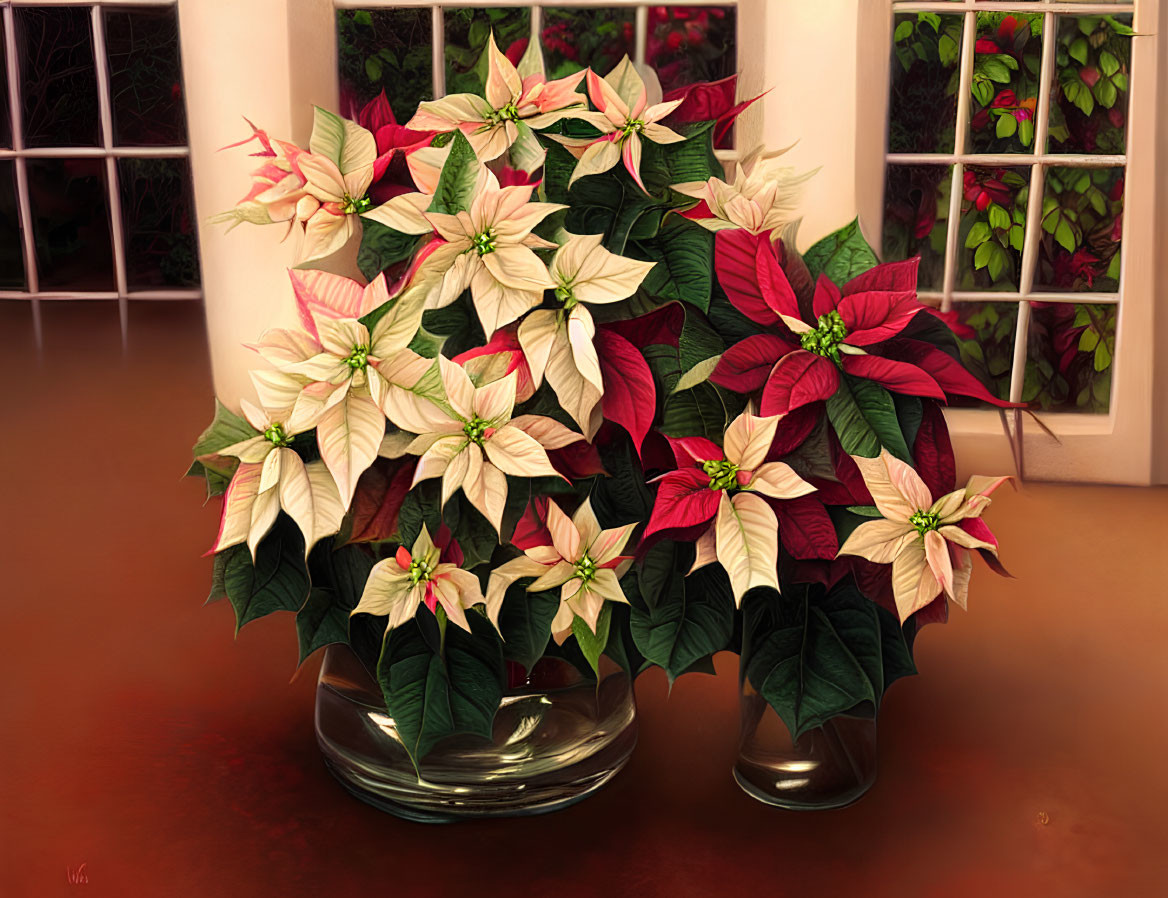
(581, 397)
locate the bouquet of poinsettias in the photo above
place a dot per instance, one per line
(587, 398)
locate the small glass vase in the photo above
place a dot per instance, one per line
(558, 737)
(827, 767)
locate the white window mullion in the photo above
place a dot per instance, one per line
(105, 110)
(956, 190)
(640, 34)
(24, 207)
(438, 51)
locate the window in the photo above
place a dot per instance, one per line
(1018, 163)
(94, 179)
(416, 53)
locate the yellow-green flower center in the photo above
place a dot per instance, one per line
(723, 474)
(633, 126)
(925, 521)
(420, 570)
(275, 435)
(508, 113)
(484, 243)
(565, 295)
(475, 430)
(586, 569)
(359, 358)
(351, 205)
(827, 336)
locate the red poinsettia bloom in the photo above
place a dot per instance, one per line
(856, 330)
(981, 189)
(709, 101)
(394, 143)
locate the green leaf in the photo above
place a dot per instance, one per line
(432, 696)
(346, 143)
(321, 621)
(863, 416)
(903, 30)
(278, 581)
(1006, 126)
(841, 255)
(865, 511)
(592, 644)
(525, 623)
(457, 181)
(1108, 63)
(997, 261)
(999, 218)
(1078, 50)
(1105, 93)
(978, 234)
(1026, 132)
(699, 373)
(821, 656)
(703, 411)
(692, 619)
(226, 429)
(684, 252)
(1065, 235)
(996, 69)
(382, 247)
(373, 68)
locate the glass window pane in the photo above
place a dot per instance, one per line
(993, 217)
(156, 212)
(145, 76)
(71, 224)
(1088, 110)
(1069, 353)
(11, 247)
(1006, 70)
(926, 53)
(581, 37)
(385, 50)
(916, 210)
(685, 44)
(1082, 224)
(5, 116)
(467, 31)
(985, 333)
(58, 81)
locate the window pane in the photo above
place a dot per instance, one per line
(583, 37)
(5, 116)
(1082, 224)
(145, 77)
(926, 53)
(993, 216)
(916, 209)
(685, 44)
(1006, 63)
(1070, 350)
(58, 81)
(385, 50)
(156, 213)
(71, 223)
(985, 333)
(467, 32)
(11, 248)
(1088, 110)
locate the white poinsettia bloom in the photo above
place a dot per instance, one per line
(558, 343)
(323, 188)
(924, 541)
(489, 248)
(472, 442)
(494, 123)
(271, 476)
(624, 118)
(743, 537)
(398, 585)
(346, 371)
(583, 561)
(764, 196)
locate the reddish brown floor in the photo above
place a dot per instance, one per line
(138, 739)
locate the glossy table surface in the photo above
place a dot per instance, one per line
(139, 739)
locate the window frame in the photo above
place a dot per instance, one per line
(1116, 447)
(108, 150)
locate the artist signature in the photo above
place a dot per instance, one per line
(76, 876)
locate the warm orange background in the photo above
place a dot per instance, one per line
(137, 738)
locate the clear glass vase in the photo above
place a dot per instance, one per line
(827, 767)
(557, 738)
